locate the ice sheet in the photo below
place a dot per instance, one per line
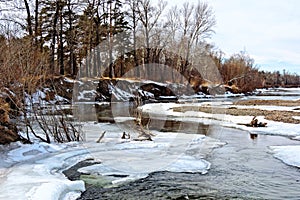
(169, 151)
(288, 154)
(35, 172)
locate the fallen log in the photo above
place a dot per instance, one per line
(254, 123)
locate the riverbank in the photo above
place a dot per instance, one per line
(273, 115)
(192, 155)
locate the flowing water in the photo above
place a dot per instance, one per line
(244, 168)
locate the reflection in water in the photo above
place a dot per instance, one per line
(84, 112)
(242, 169)
(108, 112)
(172, 125)
(253, 136)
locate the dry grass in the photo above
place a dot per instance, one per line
(280, 116)
(269, 102)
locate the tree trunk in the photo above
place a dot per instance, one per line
(61, 47)
(53, 40)
(28, 19)
(36, 21)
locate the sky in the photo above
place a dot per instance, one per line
(268, 30)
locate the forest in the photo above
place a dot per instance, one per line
(42, 40)
(108, 38)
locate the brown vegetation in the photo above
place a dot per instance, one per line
(8, 131)
(80, 38)
(280, 116)
(268, 102)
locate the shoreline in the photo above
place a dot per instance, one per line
(285, 116)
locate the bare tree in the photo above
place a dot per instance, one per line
(190, 25)
(28, 18)
(134, 19)
(149, 17)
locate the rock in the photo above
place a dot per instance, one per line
(8, 134)
(8, 131)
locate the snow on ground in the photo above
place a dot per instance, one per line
(35, 172)
(288, 154)
(86, 95)
(270, 108)
(284, 92)
(273, 128)
(39, 97)
(297, 117)
(169, 151)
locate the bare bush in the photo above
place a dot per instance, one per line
(24, 74)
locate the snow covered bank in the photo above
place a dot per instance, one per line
(35, 172)
(130, 160)
(288, 154)
(273, 128)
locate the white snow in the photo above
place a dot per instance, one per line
(181, 164)
(273, 128)
(39, 98)
(296, 117)
(35, 172)
(288, 154)
(270, 108)
(153, 82)
(120, 94)
(87, 95)
(168, 151)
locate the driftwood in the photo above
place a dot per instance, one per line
(144, 133)
(143, 139)
(254, 123)
(125, 135)
(101, 137)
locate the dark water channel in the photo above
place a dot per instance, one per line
(245, 168)
(242, 169)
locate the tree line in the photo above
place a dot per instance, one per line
(43, 40)
(110, 38)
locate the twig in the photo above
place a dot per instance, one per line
(101, 137)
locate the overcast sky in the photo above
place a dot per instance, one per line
(269, 30)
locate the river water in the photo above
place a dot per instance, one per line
(244, 168)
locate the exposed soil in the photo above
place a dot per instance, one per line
(269, 102)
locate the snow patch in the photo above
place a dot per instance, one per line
(36, 172)
(56, 190)
(273, 128)
(288, 154)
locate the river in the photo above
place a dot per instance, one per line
(244, 168)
